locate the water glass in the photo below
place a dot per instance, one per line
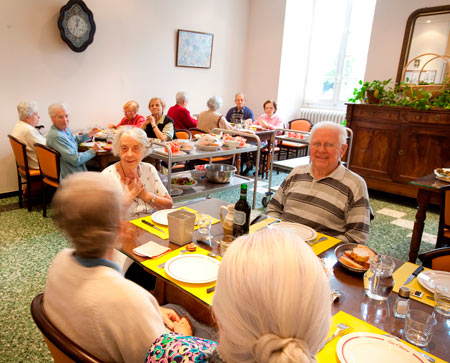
(419, 327)
(378, 280)
(225, 243)
(204, 228)
(442, 299)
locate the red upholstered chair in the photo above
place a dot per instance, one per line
(438, 259)
(288, 146)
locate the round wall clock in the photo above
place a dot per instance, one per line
(76, 24)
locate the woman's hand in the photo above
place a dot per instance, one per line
(150, 120)
(183, 326)
(169, 317)
(93, 131)
(133, 188)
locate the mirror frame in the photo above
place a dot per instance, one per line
(409, 31)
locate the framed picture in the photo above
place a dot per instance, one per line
(427, 76)
(194, 49)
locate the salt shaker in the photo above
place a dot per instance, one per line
(401, 306)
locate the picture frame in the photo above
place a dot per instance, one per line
(428, 76)
(194, 49)
(417, 63)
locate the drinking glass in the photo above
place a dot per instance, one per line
(419, 327)
(225, 243)
(442, 299)
(378, 280)
(204, 228)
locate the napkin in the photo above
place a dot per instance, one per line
(198, 290)
(151, 249)
(328, 353)
(400, 276)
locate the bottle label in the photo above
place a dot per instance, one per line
(239, 218)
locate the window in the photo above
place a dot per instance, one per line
(338, 50)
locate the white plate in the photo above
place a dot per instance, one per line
(193, 268)
(245, 145)
(207, 148)
(375, 348)
(174, 192)
(305, 232)
(428, 279)
(442, 176)
(163, 151)
(160, 216)
(178, 186)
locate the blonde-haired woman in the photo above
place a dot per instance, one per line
(272, 303)
(131, 118)
(157, 125)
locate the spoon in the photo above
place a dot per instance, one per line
(340, 328)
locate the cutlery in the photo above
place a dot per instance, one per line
(321, 239)
(210, 289)
(426, 356)
(164, 263)
(341, 328)
(153, 226)
(417, 271)
(267, 225)
(213, 255)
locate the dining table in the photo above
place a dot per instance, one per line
(428, 192)
(353, 305)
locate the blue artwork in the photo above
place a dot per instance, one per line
(194, 49)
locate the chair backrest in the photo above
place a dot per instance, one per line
(438, 259)
(61, 347)
(300, 125)
(195, 131)
(183, 134)
(20, 153)
(49, 163)
(444, 218)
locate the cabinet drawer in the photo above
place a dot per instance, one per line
(426, 116)
(378, 113)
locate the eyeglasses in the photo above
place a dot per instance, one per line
(327, 145)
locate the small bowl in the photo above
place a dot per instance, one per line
(220, 173)
(197, 174)
(231, 144)
(339, 251)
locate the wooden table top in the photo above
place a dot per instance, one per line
(353, 301)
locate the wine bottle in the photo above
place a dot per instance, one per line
(241, 219)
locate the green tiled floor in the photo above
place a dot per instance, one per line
(28, 243)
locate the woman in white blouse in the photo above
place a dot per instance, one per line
(143, 190)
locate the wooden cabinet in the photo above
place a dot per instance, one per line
(394, 145)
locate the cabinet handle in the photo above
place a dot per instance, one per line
(437, 117)
(418, 117)
(401, 152)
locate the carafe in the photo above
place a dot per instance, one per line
(227, 221)
(378, 280)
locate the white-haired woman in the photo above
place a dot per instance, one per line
(272, 304)
(180, 115)
(143, 190)
(86, 296)
(210, 119)
(131, 118)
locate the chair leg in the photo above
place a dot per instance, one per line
(19, 182)
(44, 201)
(29, 202)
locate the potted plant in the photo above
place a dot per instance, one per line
(371, 92)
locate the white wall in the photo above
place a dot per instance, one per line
(132, 57)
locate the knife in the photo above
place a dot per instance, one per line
(153, 226)
(417, 271)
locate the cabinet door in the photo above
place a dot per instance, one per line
(374, 148)
(421, 151)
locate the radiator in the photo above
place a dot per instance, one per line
(316, 115)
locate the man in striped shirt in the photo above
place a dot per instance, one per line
(325, 195)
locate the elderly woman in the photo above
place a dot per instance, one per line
(131, 118)
(158, 125)
(86, 297)
(143, 190)
(208, 120)
(180, 115)
(272, 304)
(268, 119)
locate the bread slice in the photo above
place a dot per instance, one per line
(360, 254)
(349, 262)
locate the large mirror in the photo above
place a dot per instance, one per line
(427, 31)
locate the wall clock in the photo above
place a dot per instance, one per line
(76, 24)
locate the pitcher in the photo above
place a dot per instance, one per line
(378, 280)
(227, 222)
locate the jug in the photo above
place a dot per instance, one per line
(378, 280)
(227, 222)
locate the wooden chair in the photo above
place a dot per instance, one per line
(299, 125)
(61, 347)
(443, 236)
(50, 169)
(194, 131)
(438, 259)
(23, 171)
(183, 134)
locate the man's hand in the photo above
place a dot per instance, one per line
(93, 131)
(183, 326)
(170, 317)
(96, 147)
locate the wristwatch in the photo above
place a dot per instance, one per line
(153, 199)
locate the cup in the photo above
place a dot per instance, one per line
(378, 280)
(204, 228)
(225, 242)
(419, 327)
(442, 299)
(181, 226)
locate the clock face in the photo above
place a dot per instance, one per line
(77, 26)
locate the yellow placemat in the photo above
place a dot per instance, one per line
(320, 247)
(165, 229)
(257, 226)
(198, 290)
(400, 276)
(328, 353)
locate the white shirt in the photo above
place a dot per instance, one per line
(29, 136)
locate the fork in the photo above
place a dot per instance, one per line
(321, 239)
(341, 328)
(164, 263)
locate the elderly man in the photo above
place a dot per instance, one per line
(25, 130)
(61, 139)
(180, 114)
(325, 195)
(240, 112)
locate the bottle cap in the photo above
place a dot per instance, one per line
(404, 292)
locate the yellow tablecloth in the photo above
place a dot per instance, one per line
(328, 353)
(198, 290)
(400, 276)
(165, 234)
